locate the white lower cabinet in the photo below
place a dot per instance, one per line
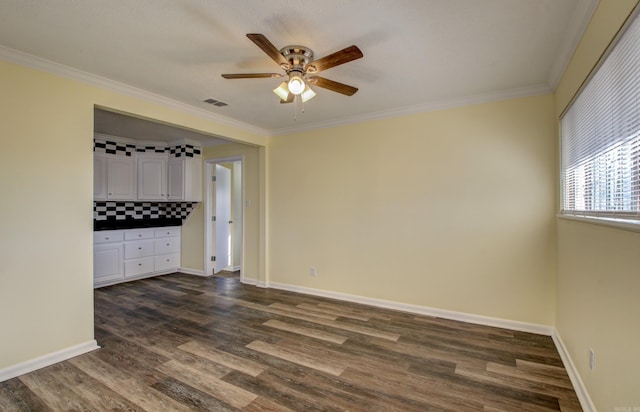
(121, 255)
(107, 263)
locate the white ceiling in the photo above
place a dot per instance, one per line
(418, 54)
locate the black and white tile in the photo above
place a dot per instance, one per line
(116, 148)
(141, 210)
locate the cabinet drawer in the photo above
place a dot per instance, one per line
(138, 266)
(167, 232)
(164, 262)
(106, 236)
(138, 249)
(167, 245)
(136, 234)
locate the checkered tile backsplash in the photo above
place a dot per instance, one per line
(141, 210)
(122, 149)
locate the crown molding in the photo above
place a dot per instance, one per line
(490, 97)
(576, 27)
(38, 63)
(48, 66)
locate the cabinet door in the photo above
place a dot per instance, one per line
(175, 178)
(121, 178)
(99, 177)
(193, 180)
(152, 178)
(107, 263)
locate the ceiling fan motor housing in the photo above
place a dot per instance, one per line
(298, 58)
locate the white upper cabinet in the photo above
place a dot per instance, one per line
(185, 179)
(152, 177)
(127, 169)
(114, 177)
(99, 177)
(121, 178)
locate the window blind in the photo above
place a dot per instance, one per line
(600, 136)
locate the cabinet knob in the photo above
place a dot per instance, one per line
(168, 244)
(139, 235)
(140, 248)
(106, 238)
(168, 260)
(139, 264)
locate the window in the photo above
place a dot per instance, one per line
(600, 137)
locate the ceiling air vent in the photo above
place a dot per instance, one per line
(215, 102)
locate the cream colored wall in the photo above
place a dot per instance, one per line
(253, 239)
(451, 209)
(46, 270)
(598, 274)
(46, 301)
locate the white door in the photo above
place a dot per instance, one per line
(223, 218)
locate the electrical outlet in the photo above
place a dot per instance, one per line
(592, 359)
(312, 271)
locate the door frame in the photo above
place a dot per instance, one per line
(209, 208)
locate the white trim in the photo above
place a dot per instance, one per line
(421, 310)
(46, 360)
(535, 90)
(249, 281)
(48, 66)
(195, 272)
(576, 27)
(631, 225)
(209, 210)
(581, 390)
(38, 63)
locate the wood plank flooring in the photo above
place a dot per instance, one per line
(181, 342)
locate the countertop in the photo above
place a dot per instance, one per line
(134, 223)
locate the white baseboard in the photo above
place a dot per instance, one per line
(46, 360)
(581, 390)
(196, 272)
(421, 310)
(254, 282)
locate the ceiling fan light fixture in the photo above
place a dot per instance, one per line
(307, 94)
(296, 84)
(282, 91)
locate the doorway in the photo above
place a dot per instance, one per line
(224, 215)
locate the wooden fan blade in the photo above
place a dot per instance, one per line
(290, 99)
(335, 59)
(268, 47)
(333, 86)
(251, 75)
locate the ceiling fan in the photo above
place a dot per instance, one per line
(301, 69)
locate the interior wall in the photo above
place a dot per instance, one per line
(46, 243)
(598, 275)
(46, 240)
(451, 209)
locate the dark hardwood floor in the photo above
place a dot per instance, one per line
(181, 342)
